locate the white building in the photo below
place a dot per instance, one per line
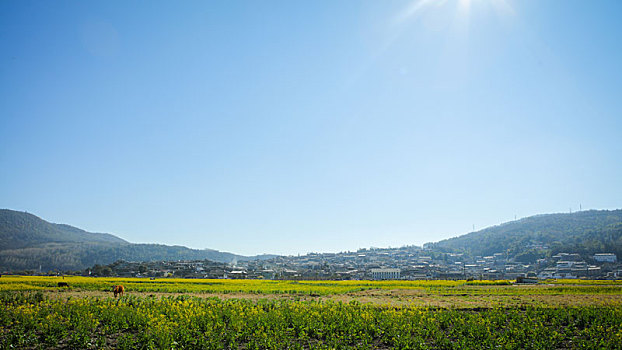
(605, 257)
(563, 264)
(385, 274)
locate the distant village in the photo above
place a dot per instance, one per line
(406, 263)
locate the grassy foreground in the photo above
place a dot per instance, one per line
(225, 314)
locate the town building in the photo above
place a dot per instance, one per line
(605, 257)
(385, 274)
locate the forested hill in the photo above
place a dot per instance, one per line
(584, 232)
(19, 230)
(28, 242)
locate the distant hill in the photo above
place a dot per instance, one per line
(584, 232)
(28, 242)
(21, 230)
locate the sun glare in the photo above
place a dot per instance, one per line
(462, 6)
(464, 3)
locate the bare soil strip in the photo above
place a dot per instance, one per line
(389, 297)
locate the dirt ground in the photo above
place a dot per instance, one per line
(391, 297)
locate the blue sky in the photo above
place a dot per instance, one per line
(290, 127)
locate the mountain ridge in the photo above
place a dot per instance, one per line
(584, 232)
(29, 242)
(22, 229)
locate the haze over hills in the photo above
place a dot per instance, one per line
(29, 242)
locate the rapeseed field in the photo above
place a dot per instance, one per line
(36, 313)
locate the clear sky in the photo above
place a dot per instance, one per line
(308, 126)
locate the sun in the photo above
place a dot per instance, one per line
(448, 20)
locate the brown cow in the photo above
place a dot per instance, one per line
(118, 290)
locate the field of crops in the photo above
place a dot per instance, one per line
(245, 314)
(177, 285)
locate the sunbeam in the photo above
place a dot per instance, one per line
(502, 7)
(412, 9)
